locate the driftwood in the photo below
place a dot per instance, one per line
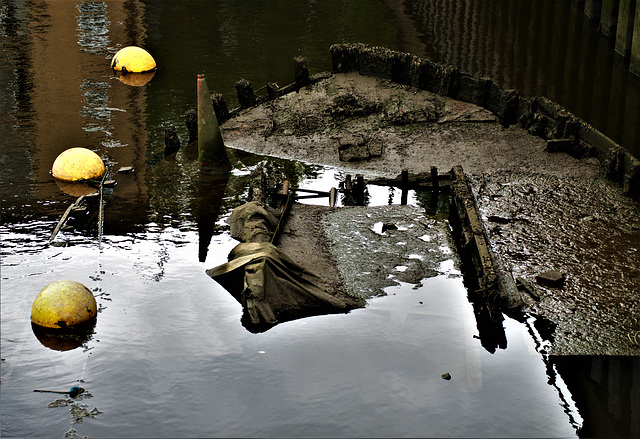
(75, 205)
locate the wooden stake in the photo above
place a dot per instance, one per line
(64, 217)
(434, 179)
(404, 184)
(332, 197)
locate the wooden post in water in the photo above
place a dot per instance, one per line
(171, 140)
(301, 71)
(220, 107)
(191, 121)
(272, 90)
(404, 185)
(246, 96)
(348, 187)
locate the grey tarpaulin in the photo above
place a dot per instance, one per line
(270, 286)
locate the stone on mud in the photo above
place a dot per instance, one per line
(551, 278)
(355, 147)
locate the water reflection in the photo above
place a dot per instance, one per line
(96, 106)
(541, 48)
(65, 340)
(606, 388)
(75, 188)
(135, 79)
(211, 190)
(93, 27)
(60, 92)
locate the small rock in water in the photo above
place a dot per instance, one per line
(446, 376)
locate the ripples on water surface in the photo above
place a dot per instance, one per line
(169, 356)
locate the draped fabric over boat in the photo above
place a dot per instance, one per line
(270, 286)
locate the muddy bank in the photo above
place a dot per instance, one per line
(542, 210)
(377, 247)
(582, 228)
(380, 127)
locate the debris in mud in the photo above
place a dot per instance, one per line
(551, 278)
(525, 286)
(352, 105)
(355, 147)
(388, 226)
(367, 258)
(567, 230)
(502, 220)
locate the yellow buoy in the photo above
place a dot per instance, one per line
(78, 164)
(133, 59)
(63, 304)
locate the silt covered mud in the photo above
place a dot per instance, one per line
(582, 229)
(542, 210)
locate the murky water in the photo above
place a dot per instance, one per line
(169, 356)
(540, 48)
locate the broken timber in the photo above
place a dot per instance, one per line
(490, 288)
(423, 181)
(472, 238)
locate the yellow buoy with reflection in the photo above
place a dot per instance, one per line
(135, 79)
(78, 164)
(63, 304)
(64, 340)
(133, 59)
(75, 188)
